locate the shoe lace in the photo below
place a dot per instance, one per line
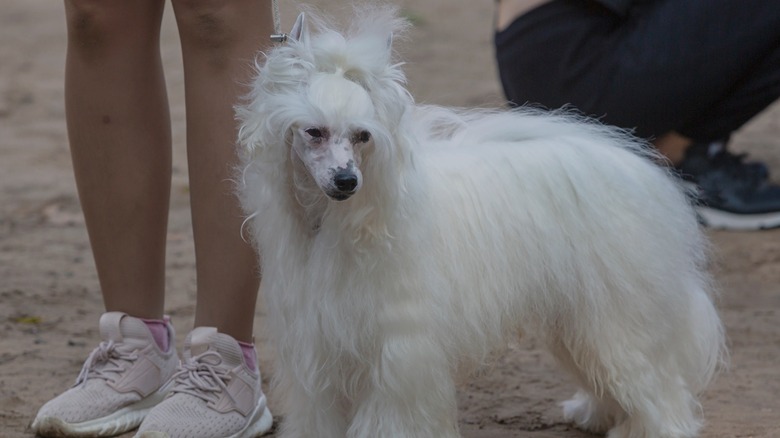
(106, 362)
(202, 379)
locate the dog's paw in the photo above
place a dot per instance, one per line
(587, 413)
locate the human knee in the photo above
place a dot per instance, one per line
(99, 24)
(207, 24)
(89, 21)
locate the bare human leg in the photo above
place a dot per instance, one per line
(220, 40)
(119, 132)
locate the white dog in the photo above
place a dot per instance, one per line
(402, 244)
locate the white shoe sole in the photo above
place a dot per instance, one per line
(123, 420)
(260, 426)
(260, 423)
(722, 220)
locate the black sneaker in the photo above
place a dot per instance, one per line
(731, 193)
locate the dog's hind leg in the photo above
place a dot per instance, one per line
(590, 413)
(589, 409)
(627, 393)
(667, 409)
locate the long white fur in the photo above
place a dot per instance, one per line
(469, 227)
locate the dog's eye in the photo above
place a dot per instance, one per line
(362, 137)
(314, 132)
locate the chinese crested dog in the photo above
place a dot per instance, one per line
(402, 244)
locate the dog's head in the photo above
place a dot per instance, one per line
(338, 97)
(331, 140)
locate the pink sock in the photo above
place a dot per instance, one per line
(159, 331)
(250, 355)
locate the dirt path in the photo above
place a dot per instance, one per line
(49, 296)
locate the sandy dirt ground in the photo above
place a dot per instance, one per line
(49, 294)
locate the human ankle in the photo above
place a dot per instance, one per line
(674, 146)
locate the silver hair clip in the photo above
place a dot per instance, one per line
(279, 37)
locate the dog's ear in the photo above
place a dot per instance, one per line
(299, 30)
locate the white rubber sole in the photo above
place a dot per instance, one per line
(722, 220)
(260, 423)
(121, 421)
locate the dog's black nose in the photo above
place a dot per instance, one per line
(345, 181)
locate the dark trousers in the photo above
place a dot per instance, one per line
(702, 68)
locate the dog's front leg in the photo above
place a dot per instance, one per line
(310, 414)
(412, 393)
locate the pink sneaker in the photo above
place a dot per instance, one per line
(121, 380)
(214, 394)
